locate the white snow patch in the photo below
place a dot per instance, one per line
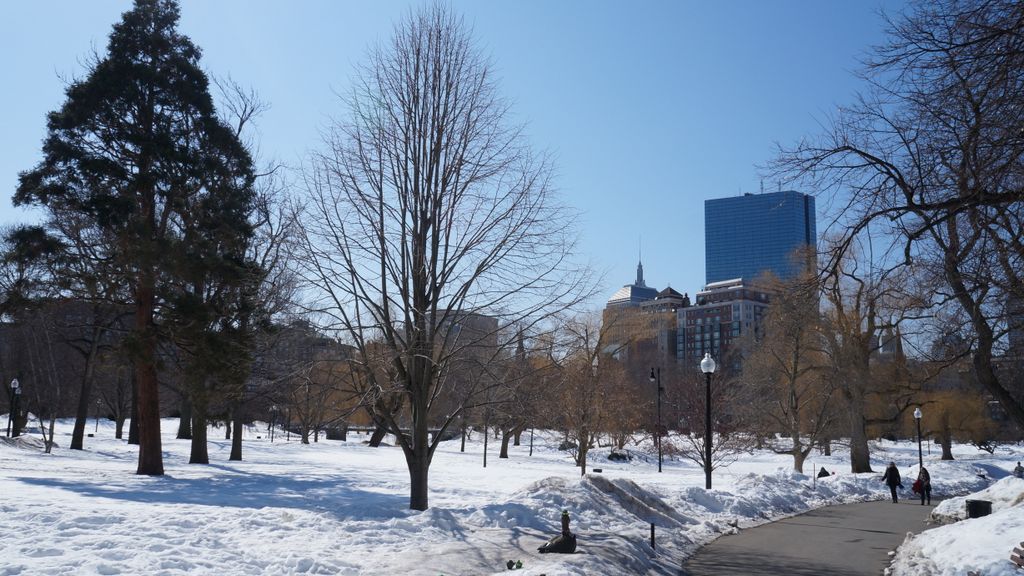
(342, 508)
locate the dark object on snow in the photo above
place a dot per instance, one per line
(510, 564)
(823, 473)
(619, 457)
(1017, 556)
(892, 480)
(978, 508)
(567, 445)
(564, 543)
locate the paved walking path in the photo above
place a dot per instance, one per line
(845, 540)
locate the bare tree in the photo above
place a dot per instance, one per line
(689, 397)
(586, 385)
(427, 206)
(114, 389)
(862, 308)
(788, 368)
(933, 155)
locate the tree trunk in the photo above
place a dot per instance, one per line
(200, 454)
(82, 414)
(418, 458)
(227, 425)
(947, 447)
(515, 438)
(378, 436)
(486, 432)
(860, 455)
(505, 437)
(946, 437)
(148, 406)
(418, 491)
(799, 456)
(236, 440)
(463, 427)
(185, 418)
(133, 424)
(826, 446)
(798, 452)
(582, 457)
(119, 427)
(49, 437)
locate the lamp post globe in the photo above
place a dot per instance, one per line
(707, 366)
(920, 456)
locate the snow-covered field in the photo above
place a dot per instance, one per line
(341, 508)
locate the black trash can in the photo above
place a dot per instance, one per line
(978, 508)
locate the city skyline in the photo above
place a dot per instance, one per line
(648, 111)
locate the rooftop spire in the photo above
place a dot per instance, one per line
(639, 262)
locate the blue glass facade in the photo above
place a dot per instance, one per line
(745, 236)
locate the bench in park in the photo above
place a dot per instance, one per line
(1017, 556)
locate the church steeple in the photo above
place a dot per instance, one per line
(640, 274)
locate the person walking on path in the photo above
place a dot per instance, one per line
(892, 479)
(923, 485)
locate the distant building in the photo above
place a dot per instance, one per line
(746, 236)
(639, 322)
(723, 312)
(633, 294)
(889, 347)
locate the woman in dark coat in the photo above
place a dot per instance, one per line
(926, 485)
(892, 479)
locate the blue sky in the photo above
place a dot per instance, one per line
(649, 108)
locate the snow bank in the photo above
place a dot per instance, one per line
(1005, 493)
(981, 545)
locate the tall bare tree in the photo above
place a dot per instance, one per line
(933, 154)
(865, 305)
(426, 205)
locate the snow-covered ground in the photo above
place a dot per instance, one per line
(341, 507)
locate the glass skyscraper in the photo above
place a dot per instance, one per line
(745, 236)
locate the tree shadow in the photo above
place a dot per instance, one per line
(241, 489)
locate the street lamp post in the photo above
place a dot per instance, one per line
(273, 422)
(10, 417)
(707, 366)
(656, 377)
(920, 456)
(16, 393)
(98, 408)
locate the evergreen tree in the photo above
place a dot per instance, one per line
(159, 187)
